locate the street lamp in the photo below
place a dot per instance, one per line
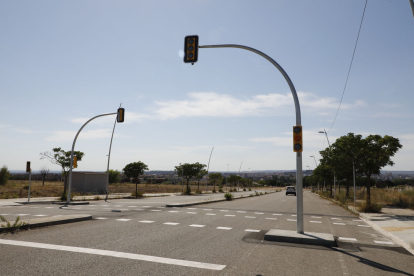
(326, 134)
(316, 164)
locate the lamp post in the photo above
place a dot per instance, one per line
(326, 134)
(208, 167)
(316, 165)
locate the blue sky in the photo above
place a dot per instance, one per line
(63, 62)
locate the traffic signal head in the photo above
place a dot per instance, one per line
(191, 49)
(121, 115)
(297, 139)
(75, 161)
(28, 166)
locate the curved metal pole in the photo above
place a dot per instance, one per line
(109, 158)
(238, 184)
(208, 167)
(71, 155)
(299, 183)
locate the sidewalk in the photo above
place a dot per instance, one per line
(396, 223)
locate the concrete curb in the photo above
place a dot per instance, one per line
(321, 239)
(207, 201)
(42, 222)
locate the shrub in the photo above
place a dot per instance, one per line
(373, 208)
(138, 194)
(257, 193)
(251, 195)
(250, 189)
(114, 176)
(228, 196)
(266, 193)
(221, 190)
(14, 226)
(4, 175)
(198, 192)
(97, 198)
(214, 191)
(244, 189)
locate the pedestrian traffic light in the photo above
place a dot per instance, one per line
(191, 49)
(75, 161)
(28, 166)
(297, 139)
(121, 115)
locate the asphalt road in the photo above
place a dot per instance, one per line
(225, 238)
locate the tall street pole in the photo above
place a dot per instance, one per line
(326, 134)
(208, 167)
(299, 181)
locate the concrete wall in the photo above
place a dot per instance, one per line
(89, 182)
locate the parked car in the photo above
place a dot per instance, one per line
(291, 190)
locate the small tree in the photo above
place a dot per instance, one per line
(61, 158)
(44, 172)
(114, 176)
(200, 176)
(188, 171)
(4, 175)
(134, 170)
(215, 177)
(232, 179)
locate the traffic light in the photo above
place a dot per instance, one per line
(121, 115)
(28, 166)
(191, 49)
(75, 161)
(297, 139)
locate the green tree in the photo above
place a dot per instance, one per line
(200, 176)
(4, 175)
(215, 177)
(188, 171)
(61, 158)
(114, 176)
(233, 179)
(134, 170)
(324, 172)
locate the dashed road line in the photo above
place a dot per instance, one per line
(207, 209)
(364, 226)
(100, 218)
(155, 210)
(272, 218)
(224, 210)
(241, 212)
(123, 219)
(315, 217)
(132, 206)
(229, 215)
(347, 239)
(294, 215)
(171, 223)
(191, 208)
(337, 223)
(40, 215)
(138, 209)
(277, 214)
(291, 219)
(196, 225)
(209, 214)
(251, 230)
(146, 221)
(146, 206)
(383, 242)
(224, 228)
(249, 217)
(337, 218)
(191, 212)
(23, 215)
(174, 211)
(315, 221)
(259, 213)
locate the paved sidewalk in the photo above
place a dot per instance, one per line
(396, 223)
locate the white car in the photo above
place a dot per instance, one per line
(291, 190)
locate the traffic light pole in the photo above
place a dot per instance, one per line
(299, 183)
(73, 148)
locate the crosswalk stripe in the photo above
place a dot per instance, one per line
(224, 228)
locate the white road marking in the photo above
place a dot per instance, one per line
(115, 254)
(40, 215)
(224, 228)
(161, 207)
(314, 221)
(123, 219)
(272, 218)
(171, 223)
(191, 208)
(100, 218)
(229, 215)
(249, 217)
(105, 205)
(90, 205)
(52, 207)
(291, 219)
(155, 210)
(241, 212)
(294, 215)
(364, 225)
(132, 206)
(123, 209)
(251, 230)
(347, 239)
(34, 207)
(4, 214)
(146, 206)
(174, 211)
(357, 220)
(224, 210)
(23, 215)
(138, 209)
(383, 242)
(146, 221)
(208, 214)
(277, 214)
(258, 213)
(57, 216)
(119, 205)
(315, 217)
(339, 223)
(336, 218)
(191, 212)
(207, 209)
(196, 225)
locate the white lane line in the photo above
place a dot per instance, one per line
(336, 218)
(52, 207)
(115, 254)
(23, 215)
(383, 242)
(123, 219)
(224, 228)
(347, 239)
(339, 223)
(123, 209)
(174, 211)
(241, 212)
(249, 217)
(272, 218)
(138, 209)
(294, 215)
(315, 217)
(364, 226)
(90, 205)
(132, 206)
(119, 205)
(40, 215)
(191, 208)
(229, 215)
(224, 210)
(357, 220)
(196, 225)
(314, 221)
(105, 205)
(4, 214)
(191, 212)
(100, 218)
(57, 216)
(171, 223)
(251, 230)
(259, 213)
(155, 210)
(146, 206)
(291, 219)
(208, 214)
(277, 214)
(207, 209)
(146, 221)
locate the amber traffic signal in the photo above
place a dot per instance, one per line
(28, 166)
(121, 115)
(297, 139)
(75, 162)
(191, 49)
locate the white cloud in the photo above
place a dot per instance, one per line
(181, 53)
(23, 130)
(67, 135)
(3, 126)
